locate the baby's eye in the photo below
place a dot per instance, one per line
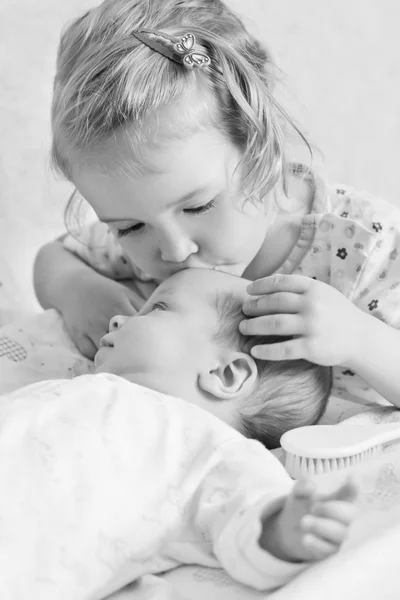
(137, 228)
(201, 209)
(158, 306)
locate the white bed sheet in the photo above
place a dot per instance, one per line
(38, 347)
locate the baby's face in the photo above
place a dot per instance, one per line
(171, 340)
(186, 210)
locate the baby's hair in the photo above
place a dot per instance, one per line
(290, 394)
(107, 80)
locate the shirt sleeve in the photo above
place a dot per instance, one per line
(377, 291)
(366, 268)
(97, 246)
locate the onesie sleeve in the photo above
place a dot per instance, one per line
(106, 481)
(97, 246)
(247, 485)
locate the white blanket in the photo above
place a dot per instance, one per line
(366, 567)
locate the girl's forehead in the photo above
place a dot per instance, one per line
(124, 154)
(193, 112)
(196, 167)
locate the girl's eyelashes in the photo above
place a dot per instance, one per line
(199, 210)
(137, 228)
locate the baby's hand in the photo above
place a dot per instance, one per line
(312, 524)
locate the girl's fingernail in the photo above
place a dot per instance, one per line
(242, 326)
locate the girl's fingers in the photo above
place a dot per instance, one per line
(326, 529)
(86, 347)
(273, 325)
(281, 302)
(280, 283)
(316, 548)
(290, 350)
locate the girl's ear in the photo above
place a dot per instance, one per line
(234, 377)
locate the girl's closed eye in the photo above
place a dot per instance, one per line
(199, 210)
(138, 227)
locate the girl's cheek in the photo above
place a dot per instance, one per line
(132, 247)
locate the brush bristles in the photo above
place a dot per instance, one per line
(300, 466)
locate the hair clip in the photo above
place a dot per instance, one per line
(181, 50)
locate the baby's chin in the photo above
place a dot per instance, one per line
(103, 368)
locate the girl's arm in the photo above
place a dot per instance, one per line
(377, 357)
(55, 269)
(86, 299)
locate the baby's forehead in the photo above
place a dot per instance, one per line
(206, 285)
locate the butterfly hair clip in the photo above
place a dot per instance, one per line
(181, 50)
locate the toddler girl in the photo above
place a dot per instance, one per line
(165, 121)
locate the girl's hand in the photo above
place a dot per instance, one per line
(87, 306)
(325, 325)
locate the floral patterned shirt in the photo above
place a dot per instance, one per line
(350, 239)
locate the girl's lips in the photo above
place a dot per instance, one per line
(233, 269)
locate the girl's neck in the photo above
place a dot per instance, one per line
(283, 235)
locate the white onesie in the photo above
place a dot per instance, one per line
(103, 481)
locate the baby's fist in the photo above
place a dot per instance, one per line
(312, 524)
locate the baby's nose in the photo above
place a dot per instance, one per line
(116, 323)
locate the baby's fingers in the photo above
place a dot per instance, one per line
(316, 548)
(327, 530)
(348, 491)
(343, 512)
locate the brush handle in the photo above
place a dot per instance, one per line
(337, 441)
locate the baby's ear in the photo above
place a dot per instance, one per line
(233, 377)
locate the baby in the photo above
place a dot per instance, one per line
(105, 479)
(185, 342)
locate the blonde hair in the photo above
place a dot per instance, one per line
(289, 394)
(107, 80)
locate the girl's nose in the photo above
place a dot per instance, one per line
(116, 323)
(177, 247)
